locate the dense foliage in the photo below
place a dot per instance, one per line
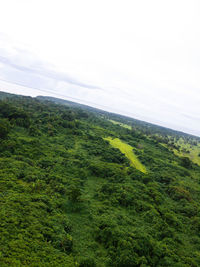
(68, 198)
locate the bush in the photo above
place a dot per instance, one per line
(4, 128)
(88, 262)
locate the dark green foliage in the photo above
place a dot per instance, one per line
(4, 128)
(186, 162)
(88, 262)
(74, 193)
(69, 199)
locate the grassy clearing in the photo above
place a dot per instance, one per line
(194, 151)
(121, 124)
(186, 149)
(128, 151)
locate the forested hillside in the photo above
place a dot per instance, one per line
(84, 187)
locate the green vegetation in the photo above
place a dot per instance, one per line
(74, 190)
(121, 124)
(188, 149)
(128, 151)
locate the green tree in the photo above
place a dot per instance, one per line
(74, 193)
(4, 128)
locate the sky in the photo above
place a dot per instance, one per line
(137, 58)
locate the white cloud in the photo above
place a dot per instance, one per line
(143, 55)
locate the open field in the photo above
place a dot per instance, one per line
(128, 151)
(194, 151)
(121, 124)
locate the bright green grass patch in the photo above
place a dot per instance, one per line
(121, 124)
(128, 151)
(194, 151)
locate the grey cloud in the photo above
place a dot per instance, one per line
(41, 70)
(137, 97)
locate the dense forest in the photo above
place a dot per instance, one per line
(83, 187)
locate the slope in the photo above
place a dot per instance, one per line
(69, 198)
(128, 151)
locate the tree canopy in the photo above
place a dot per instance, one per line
(69, 198)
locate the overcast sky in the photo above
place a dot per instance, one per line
(138, 58)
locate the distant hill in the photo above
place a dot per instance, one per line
(180, 143)
(120, 118)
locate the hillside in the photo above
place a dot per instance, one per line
(182, 144)
(83, 187)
